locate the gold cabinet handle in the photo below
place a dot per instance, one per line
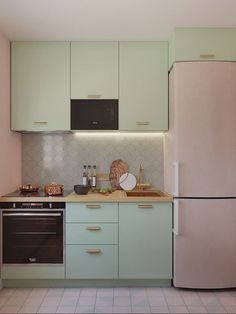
(93, 206)
(94, 96)
(93, 228)
(142, 123)
(145, 206)
(207, 55)
(93, 251)
(40, 122)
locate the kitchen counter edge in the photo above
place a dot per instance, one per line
(117, 196)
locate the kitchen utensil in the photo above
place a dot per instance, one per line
(29, 188)
(53, 189)
(81, 189)
(117, 168)
(127, 181)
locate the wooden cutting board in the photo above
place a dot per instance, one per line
(117, 168)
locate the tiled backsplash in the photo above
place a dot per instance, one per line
(60, 157)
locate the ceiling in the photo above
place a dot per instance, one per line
(110, 19)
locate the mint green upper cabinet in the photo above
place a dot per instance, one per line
(143, 86)
(94, 70)
(145, 240)
(189, 44)
(40, 86)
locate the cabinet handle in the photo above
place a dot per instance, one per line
(40, 122)
(93, 251)
(93, 228)
(145, 206)
(142, 123)
(94, 96)
(176, 217)
(93, 206)
(207, 55)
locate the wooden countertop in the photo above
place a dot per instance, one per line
(117, 196)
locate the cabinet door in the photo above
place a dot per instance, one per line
(190, 44)
(143, 86)
(94, 70)
(40, 86)
(91, 261)
(145, 240)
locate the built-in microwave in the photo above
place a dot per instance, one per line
(94, 114)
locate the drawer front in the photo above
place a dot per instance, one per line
(91, 212)
(91, 233)
(91, 261)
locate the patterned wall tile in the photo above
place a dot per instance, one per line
(60, 157)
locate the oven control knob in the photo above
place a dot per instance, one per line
(50, 205)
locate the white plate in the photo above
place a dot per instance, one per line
(127, 181)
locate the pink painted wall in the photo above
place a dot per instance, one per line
(10, 142)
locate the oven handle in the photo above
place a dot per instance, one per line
(32, 214)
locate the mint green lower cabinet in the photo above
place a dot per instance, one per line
(145, 240)
(33, 272)
(92, 212)
(91, 233)
(91, 261)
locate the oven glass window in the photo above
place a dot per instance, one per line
(32, 237)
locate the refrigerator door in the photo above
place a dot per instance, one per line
(205, 244)
(204, 133)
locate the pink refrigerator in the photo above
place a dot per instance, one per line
(200, 172)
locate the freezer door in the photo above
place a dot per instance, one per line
(205, 244)
(205, 128)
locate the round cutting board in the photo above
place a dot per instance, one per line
(128, 181)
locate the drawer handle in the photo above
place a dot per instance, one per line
(93, 206)
(142, 123)
(40, 122)
(94, 96)
(93, 228)
(145, 206)
(93, 251)
(207, 55)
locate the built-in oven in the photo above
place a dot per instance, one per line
(32, 233)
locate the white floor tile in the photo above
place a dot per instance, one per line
(216, 309)
(122, 309)
(103, 309)
(122, 301)
(159, 309)
(66, 309)
(197, 309)
(157, 301)
(10, 309)
(55, 292)
(121, 292)
(47, 309)
(178, 309)
(84, 309)
(88, 292)
(29, 309)
(105, 292)
(104, 301)
(141, 309)
(174, 300)
(51, 301)
(88, 301)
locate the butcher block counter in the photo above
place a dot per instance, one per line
(116, 196)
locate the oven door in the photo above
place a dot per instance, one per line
(32, 237)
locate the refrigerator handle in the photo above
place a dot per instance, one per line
(176, 218)
(176, 178)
